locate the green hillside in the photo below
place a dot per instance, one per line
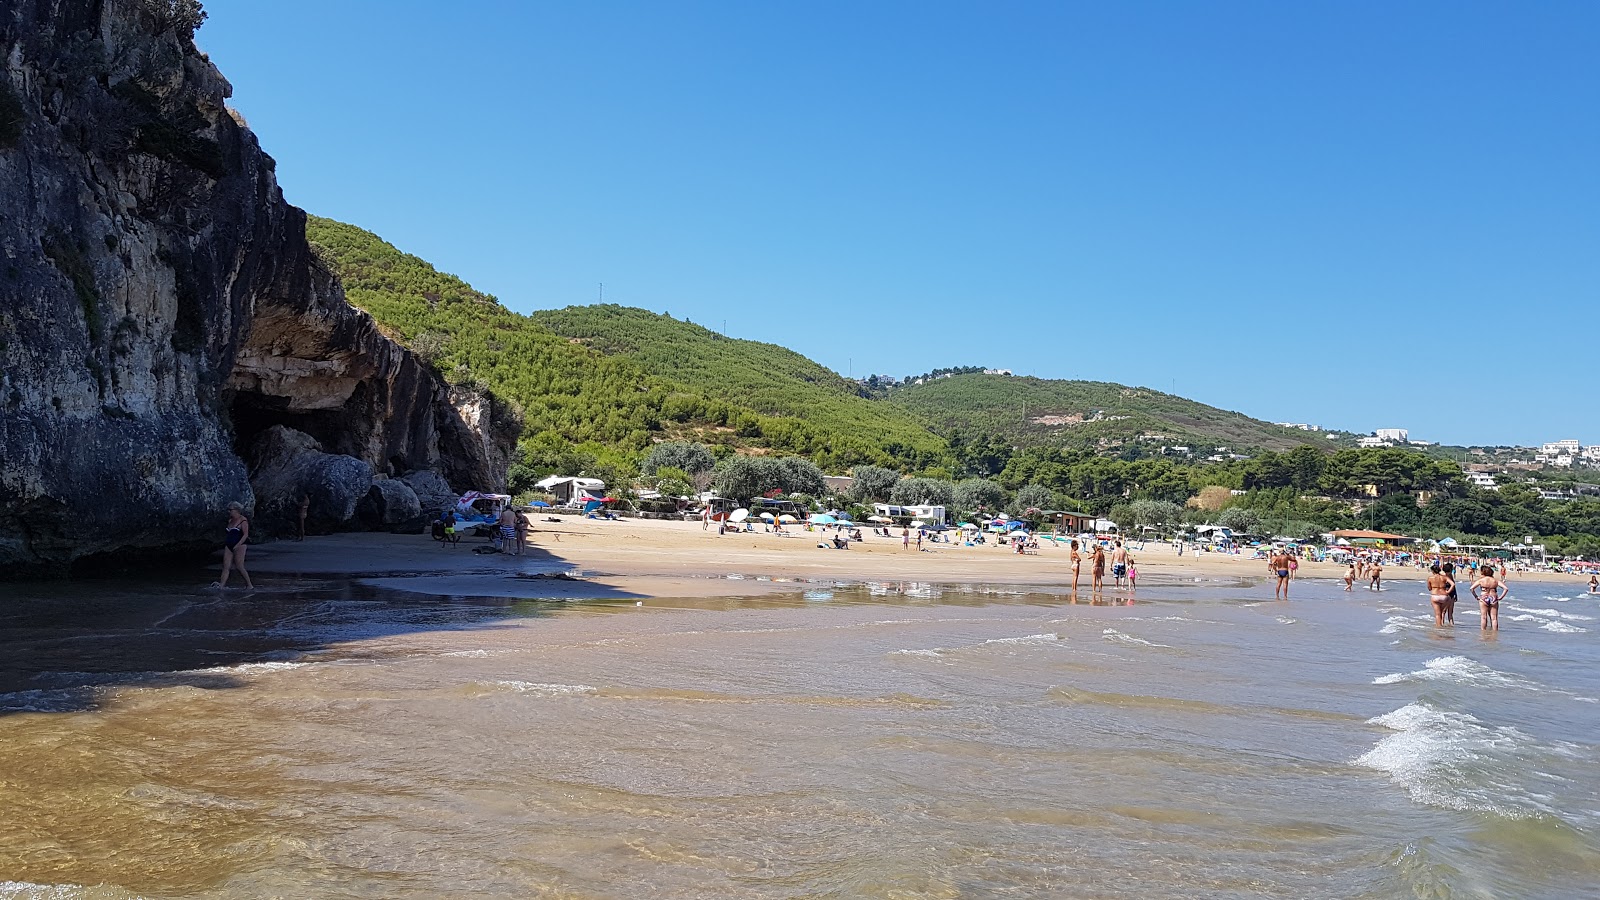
(1034, 412)
(588, 393)
(820, 407)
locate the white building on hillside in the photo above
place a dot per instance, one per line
(1482, 480)
(1373, 442)
(1557, 448)
(1393, 435)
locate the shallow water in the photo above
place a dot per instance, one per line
(838, 740)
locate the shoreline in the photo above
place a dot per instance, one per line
(657, 558)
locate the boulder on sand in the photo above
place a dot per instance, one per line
(432, 491)
(388, 502)
(288, 464)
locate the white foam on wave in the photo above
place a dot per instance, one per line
(1553, 625)
(27, 890)
(1454, 760)
(933, 652)
(546, 690)
(255, 668)
(1111, 634)
(1457, 669)
(1027, 639)
(1552, 614)
(1396, 624)
(466, 654)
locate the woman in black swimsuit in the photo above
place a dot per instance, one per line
(235, 543)
(1450, 598)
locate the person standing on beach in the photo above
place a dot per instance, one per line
(305, 507)
(508, 529)
(1119, 564)
(1076, 559)
(1350, 577)
(919, 540)
(234, 544)
(521, 532)
(1377, 577)
(1097, 574)
(1439, 588)
(905, 538)
(1490, 591)
(1279, 565)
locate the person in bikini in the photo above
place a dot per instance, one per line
(1439, 587)
(1350, 577)
(1594, 584)
(1279, 566)
(1097, 580)
(1076, 560)
(1490, 591)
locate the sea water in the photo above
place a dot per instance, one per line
(847, 739)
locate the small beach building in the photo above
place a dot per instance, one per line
(1376, 539)
(571, 490)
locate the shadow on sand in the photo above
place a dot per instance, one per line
(62, 644)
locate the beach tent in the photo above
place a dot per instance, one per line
(739, 515)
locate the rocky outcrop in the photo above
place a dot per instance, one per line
(160, 308)
(287, 465)
(388, 502)
(433, 492)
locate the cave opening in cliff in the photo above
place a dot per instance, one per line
(253, 413)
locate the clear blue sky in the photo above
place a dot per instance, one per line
(1359, 214)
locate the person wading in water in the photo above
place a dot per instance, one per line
(234, 545)
(1279, 565)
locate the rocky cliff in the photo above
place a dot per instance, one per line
(160, 309)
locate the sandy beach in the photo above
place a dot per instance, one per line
(656, 558)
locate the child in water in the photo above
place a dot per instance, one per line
(1133, 574)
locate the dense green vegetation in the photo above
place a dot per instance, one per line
(818, 413)
(1026, 411)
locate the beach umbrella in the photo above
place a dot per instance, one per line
(787, 519)
(1015, 525)
(967, 526)
(823, 519)
(768, 516)
(739, 515)
(608, 499)
(592, 505)
(880, 519)
(540, 503)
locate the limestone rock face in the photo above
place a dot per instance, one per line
(287, 465)
(160, 308)
(433, 492)
(389, 501)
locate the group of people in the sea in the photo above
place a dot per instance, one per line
(1487, 589)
